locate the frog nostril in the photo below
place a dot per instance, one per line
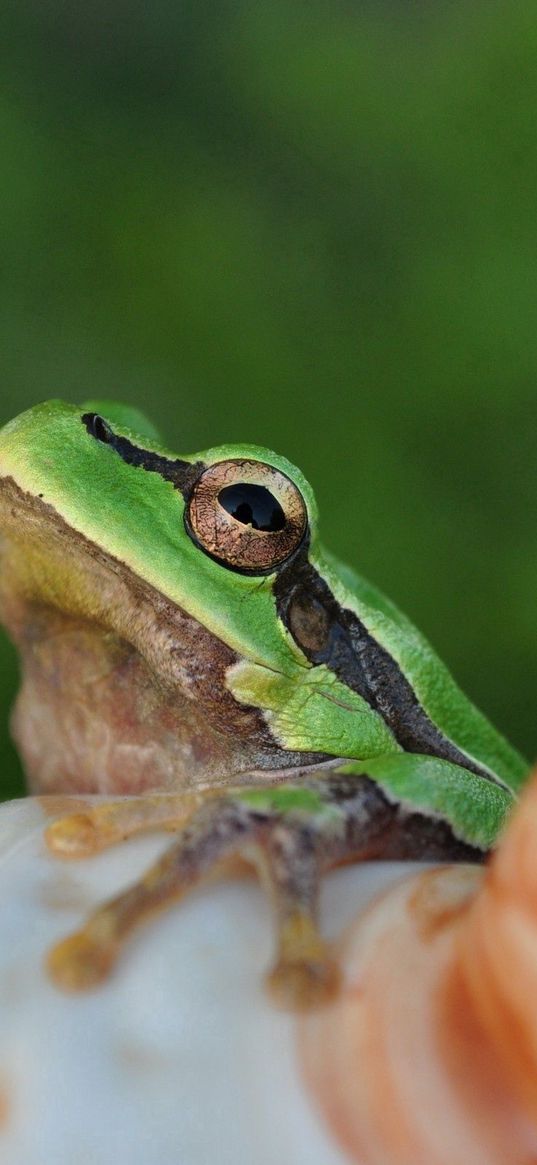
(97, 427)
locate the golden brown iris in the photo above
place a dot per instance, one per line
(247, 515)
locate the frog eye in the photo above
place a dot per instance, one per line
(247, 515)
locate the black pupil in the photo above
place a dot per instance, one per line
(253, 505)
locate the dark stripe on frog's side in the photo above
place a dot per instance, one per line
(182, 474)
(333, 635)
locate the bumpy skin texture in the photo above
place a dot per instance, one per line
(157, 654)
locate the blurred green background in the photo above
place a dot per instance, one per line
(310, 225)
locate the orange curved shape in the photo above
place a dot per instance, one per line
(429, 1055)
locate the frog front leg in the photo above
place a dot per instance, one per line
(290, 833)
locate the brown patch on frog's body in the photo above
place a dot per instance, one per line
(122, 691)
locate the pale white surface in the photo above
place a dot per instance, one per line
(179, 1059)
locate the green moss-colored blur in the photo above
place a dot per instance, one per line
(311, 226)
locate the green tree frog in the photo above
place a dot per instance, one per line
(185, 637)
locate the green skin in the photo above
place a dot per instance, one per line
(136, 518)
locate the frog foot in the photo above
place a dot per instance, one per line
(289, 833)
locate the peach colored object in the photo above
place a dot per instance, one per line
(429, 1057)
